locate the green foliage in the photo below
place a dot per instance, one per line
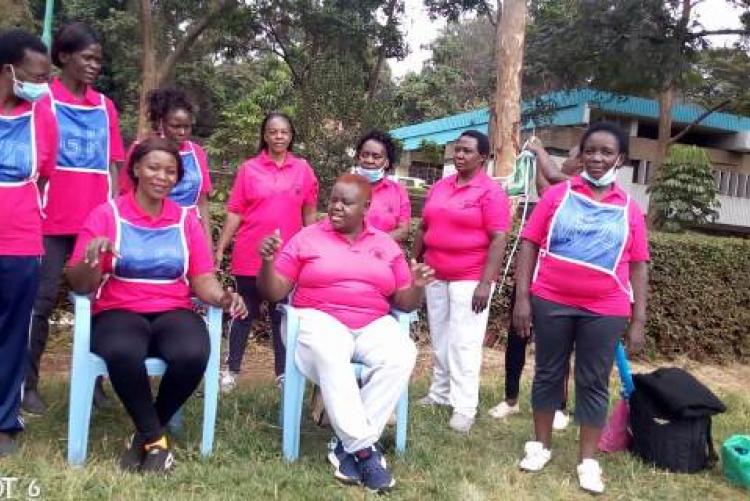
(700, 299)
(433, 152)
(684, 192)
(459, 76)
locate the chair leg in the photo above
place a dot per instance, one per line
(402, 421)
(79, 416)
(210, 402)
(294, 394)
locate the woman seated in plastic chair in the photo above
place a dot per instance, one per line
(143, 255)
(346, 275)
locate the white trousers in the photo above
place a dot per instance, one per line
(325, 350)
(457, 335)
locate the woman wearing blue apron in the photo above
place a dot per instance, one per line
(145, 256)
(171, 115)
(89, 146)
(28, 148)
(588, 228)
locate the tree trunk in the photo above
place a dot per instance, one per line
(372, 84)
(666, 98)
(510, 40)
(149, 72)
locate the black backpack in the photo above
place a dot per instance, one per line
(670, 420)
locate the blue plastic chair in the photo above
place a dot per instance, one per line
(294, 389)
(623, 368)
(86, 367)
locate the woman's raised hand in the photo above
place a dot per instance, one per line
(96, 247)
(421, 273)
(232, 303)
(270, 246)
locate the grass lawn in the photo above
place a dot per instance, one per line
(439, 464)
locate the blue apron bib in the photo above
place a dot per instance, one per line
(188, 190)
(17, 150)
(84, 137)
(150, 255)
(589, 234)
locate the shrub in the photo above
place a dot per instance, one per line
(684, 192)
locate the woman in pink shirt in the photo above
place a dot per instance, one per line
(28, 147)
(390, 208)
(590, 229)
(465, 220)
(345, 275)
(171, 115)
(273, 191)
(84, 177)
(144, 255)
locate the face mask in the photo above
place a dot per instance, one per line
(28, 91)
(372, 175)
(607, 178)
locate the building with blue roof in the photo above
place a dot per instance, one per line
(559, 119)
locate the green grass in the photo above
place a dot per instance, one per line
(247, 465)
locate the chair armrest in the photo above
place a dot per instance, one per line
(289, 332)
(404, 320)
(213, 319)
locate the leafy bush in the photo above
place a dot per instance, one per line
(684, 192)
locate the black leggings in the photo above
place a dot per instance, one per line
(125, 339)
(239, 329)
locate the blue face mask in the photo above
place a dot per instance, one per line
(28, 91)
(607, 178)
(372, 175)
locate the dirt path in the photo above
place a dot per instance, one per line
(257, 367)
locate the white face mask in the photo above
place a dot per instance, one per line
(607, 178)
(28, 91)
(372, 175)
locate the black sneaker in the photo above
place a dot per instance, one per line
(157, 459)
(375, 477)
(33, 404)
(132, 458)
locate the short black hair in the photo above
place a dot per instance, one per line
(161, 102)
(275, 114)
(391, 150)
(623, 142)
(73, 37)
(154, 143)
(483, 143)
(14, 44)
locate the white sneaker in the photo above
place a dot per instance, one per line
(590, 476)
(227, 382)
(503, 410)
(561, 421)
(461, 423)
(536, 457)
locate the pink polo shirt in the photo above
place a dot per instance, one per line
(460, 222)
(574, 285)
(20, 206)
(351, 281)
(143, 297)
(71, 195)
(389, 206)
(125, 184)
(268, 197)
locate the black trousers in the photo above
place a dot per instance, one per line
(57, 249)
(559, 330)
(239, 329)
(125, 339)
(19, 278)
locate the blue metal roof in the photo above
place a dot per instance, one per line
(567, 108)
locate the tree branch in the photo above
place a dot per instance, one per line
(698, 120)
(192, 34)
(726, 31)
